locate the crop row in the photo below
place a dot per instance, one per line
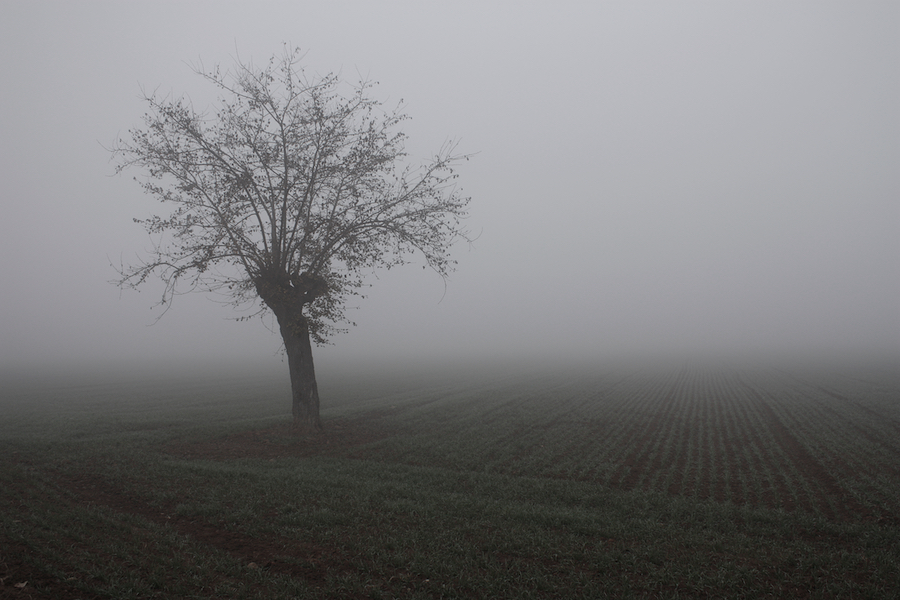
(758, 438)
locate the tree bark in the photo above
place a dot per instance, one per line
(304, 391)
(286, 296)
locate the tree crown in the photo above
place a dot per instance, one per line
(290, 193)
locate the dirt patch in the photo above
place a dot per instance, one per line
(338, 437)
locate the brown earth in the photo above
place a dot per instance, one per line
(280, 441)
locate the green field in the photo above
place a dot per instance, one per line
(626, 482)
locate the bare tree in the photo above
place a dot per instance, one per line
(288, 196)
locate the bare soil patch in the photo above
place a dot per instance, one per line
(282, 440)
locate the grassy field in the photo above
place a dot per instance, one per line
(622, 483)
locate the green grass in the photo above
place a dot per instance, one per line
(453, 485)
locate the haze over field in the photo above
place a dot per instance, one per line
(650, 178)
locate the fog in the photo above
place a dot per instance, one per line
(650, 179)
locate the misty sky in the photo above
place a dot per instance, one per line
(651, 177)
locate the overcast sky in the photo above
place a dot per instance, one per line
(651, 177)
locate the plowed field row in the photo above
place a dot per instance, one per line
(759, 439)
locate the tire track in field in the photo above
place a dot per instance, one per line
(846, 507)
(299, 559)
(867, 453)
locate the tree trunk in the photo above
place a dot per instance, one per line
(305, 392)
(286, 295)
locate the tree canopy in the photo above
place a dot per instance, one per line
(290, 180)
